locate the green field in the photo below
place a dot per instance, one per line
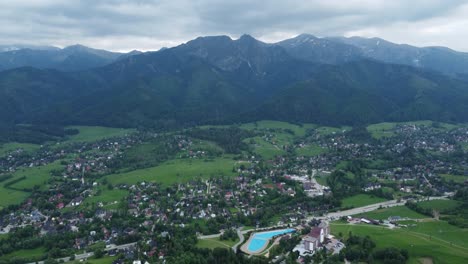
(9, 147)
(449, 246)
(440, 205)
(384, 213)
(216, 243)
(107, 196)
(103, 260)
(360, 200)
(382, 130)
(455, 178)
(310, 150)
(34, 176)
(26, 253)
(266, 149)
(268, 124)
(178, 170)
(322, 179)
(331, 130)
(95, 133)
(9, 197)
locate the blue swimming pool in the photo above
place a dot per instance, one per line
(259, 240)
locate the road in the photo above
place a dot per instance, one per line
(372, 207)
(241, 239)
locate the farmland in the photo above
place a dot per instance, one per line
(177, 170)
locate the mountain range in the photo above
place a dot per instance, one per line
(332, 81)
(71, 58)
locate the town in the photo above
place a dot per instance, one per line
(139, 196)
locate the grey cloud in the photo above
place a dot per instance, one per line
(148, 24)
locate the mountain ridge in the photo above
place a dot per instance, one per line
(221, 80)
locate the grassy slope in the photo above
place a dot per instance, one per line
(34, 176)
(455, 178)
(310, 150)
(266, 149)
(216, 243)
(418, 243)
(25, 253)
(268, 124)
(384, 213)
(107, 196)
(8, 147)
(360, 200)
(179, 170)
(440, 204)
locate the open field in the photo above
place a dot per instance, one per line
(266, 149)
(25, 253)
(268, 124)
(94, 133)
(9, 197)
(107, 196)
(324, 130)
(310, 150)
(384, 213)
(455, 178)
(382, 130)
(360, 200)
(440, 205)
(103, 260)
(8, 147)
(35, 176)
(215, 243)
(178, 170)
(441, 249)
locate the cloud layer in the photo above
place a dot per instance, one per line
(151, 24)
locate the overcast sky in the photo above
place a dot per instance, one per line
(124, 25)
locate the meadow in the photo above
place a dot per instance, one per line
(12, 146)
(25, 179)
(440, 205)
(26, 253)
(109, 198)
(454, 178)
(385, 213)
(265, 148)
(423, 241)
(360, 200)
(177, 170)
(310, 150)
(215, 243)
(298, 130)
